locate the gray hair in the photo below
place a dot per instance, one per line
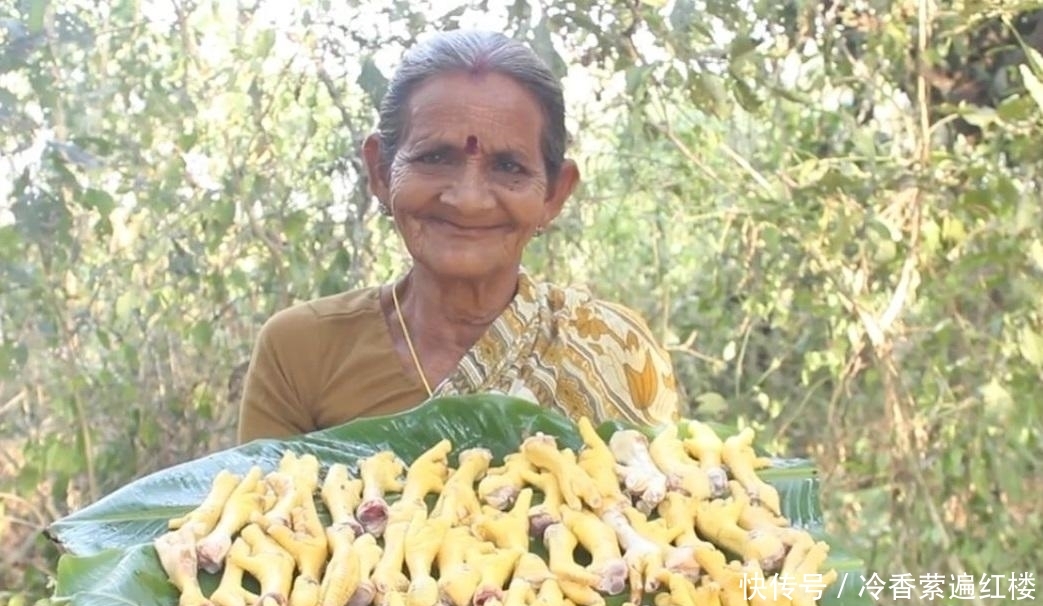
(475, 51)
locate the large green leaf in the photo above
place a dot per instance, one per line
(130, 576)
(109, 558)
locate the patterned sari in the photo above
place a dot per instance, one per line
(562, 347)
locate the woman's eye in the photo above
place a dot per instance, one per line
(509, 166)
(436, 157)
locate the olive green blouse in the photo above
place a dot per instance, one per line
(327, 361)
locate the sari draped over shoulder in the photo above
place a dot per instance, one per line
(563, 348)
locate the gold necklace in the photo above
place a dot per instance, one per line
(409, 342)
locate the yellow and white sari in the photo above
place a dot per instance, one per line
(562, 347)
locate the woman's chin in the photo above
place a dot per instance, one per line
(467, 266)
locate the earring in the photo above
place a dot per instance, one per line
(384, 209)
(539, 231)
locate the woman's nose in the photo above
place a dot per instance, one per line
(469, 189)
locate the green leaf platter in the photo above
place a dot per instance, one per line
(108, 556)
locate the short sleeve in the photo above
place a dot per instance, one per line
(648, 368)
(624, 373)
(272, 405)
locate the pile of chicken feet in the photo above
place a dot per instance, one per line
(687, 521)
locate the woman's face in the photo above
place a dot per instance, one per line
(467, 187)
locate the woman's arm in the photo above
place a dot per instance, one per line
(654, 391)
(272, 406)
(611, 354)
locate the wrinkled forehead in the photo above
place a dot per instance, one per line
(491, 109)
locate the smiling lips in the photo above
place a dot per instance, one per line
(468, 229)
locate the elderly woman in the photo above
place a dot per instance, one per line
(468, 161)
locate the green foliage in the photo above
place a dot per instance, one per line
(832, 221)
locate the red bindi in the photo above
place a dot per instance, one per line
(472, 145)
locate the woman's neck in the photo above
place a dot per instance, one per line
(443, 313)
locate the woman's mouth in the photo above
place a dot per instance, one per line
(471, 229)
